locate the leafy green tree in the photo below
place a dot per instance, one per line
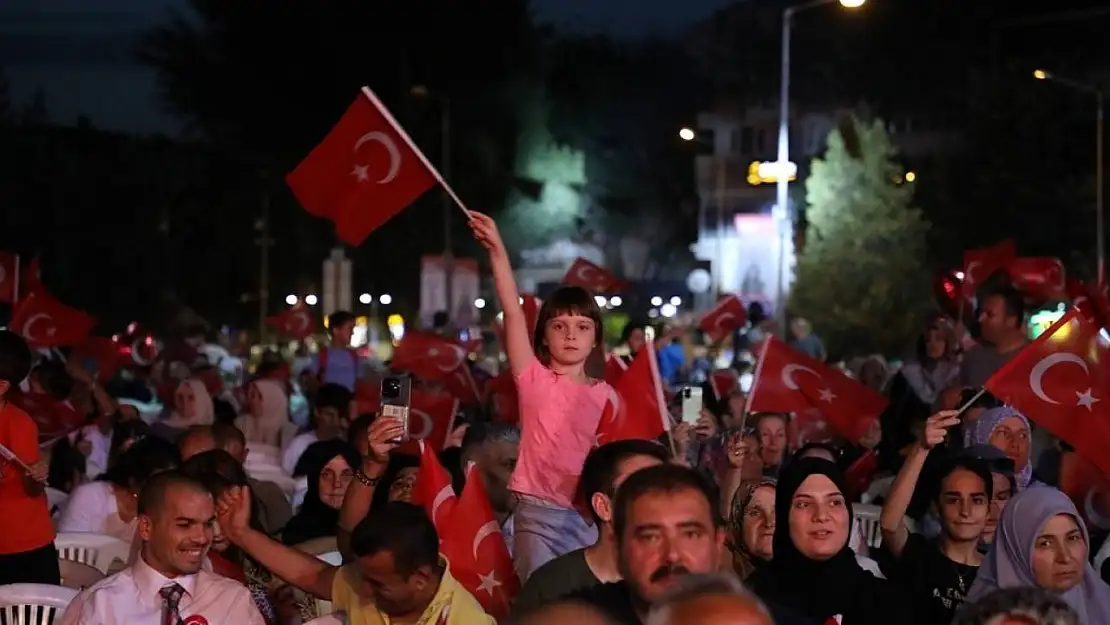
(862, 280)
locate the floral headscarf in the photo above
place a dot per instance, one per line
(981, 431)
(742, 560)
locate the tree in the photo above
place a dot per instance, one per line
(862, 280)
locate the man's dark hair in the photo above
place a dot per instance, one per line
(332, 396)
(1013, 302)
(815, 446)
(147, 457)
(224, 434)
(662, 479)
(601, 466)
(964, 463)
(403, 530)
(359, 427)
(1028, 603)
(339, 319)
(483, 432)
(15, 358)
(153, 494)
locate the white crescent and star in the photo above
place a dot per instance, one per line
(445, 493)
(488, 582)
(302, 318)
(29, 325)
(586, 273)
(425, 430)
(454, 349)
(717, 322)
(136, 351)
(969, 273)
(825, 394)
(483, 532)
(1036, 375)
(362, 172)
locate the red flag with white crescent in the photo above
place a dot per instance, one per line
(592, 277)
(433, 489)
(296, 322)
(431, 419)
(980, 264)
(727, 316)
(437, 359)
(1039, 278)
(637, 409)
(46, 322)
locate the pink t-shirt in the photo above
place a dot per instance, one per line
(558, 419)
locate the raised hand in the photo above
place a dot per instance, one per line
(936, 428)
(381, 437)
(233, 511)
(736, 451)
(486, 232)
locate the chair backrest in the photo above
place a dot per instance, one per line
(288, 433)
(55, 499)
(335, 618)
(79, 576)
(263, 455)
(97, 550)
(867, 522)
(33, 604)
(331, 557)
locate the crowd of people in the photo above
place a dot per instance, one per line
(952, 508)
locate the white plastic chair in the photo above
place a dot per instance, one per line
(78, 576)
(879, 488)
(317, 546)
(331, 557)
(55, 499)
(263, 455)
(867, 523)
(870, 566)
(96, 550)
(335, 618)
(34, 604)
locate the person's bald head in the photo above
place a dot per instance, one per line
(197, 439)
(712, 599)
(567, 612)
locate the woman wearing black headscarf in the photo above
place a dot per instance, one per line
(814, 571)
(329, 467)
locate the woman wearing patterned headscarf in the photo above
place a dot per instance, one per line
(751, 526)
(1008, 430)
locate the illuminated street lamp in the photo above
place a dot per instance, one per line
(686, 134)
(310, 300)
(1041, 74)
(291, 299)
(782, 183)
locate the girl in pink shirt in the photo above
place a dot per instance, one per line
(560, 407)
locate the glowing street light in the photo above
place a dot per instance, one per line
(600, 300)
(687, 134)
(615, 301)
(365, 298)
(1040, 74)
(310, 300)
(291, 299)
(386, 299)
(657, 301)
(911, 176)
(852, 4)
(676, 301)
(479, 303)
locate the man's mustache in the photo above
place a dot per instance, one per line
(669, 570)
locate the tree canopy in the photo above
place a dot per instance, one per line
(862, 280)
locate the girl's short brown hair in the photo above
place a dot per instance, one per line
(568, 300)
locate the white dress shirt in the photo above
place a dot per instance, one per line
(131, 597)
(92, 508)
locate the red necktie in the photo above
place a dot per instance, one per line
(171, 598)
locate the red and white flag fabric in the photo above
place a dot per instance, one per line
(723, 319)
(724, 382)
(32, 278)
(45, 322)
(1061, 381)
(1091, 300)
(437, 359)
(9, 277)
(591, 277)
(433, 489)
(502, 398)
(99, 354)
(614, 369)
(431, 418)
(531, 305)
(365, 171)
(980, 264)
(476, 549)
(54, 417)
(637, 408)
(787, 380)
(296, 322)
(1039, 278)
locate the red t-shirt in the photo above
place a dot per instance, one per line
(25, 523)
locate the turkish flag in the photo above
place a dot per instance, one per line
(1038, 278)
(591, 277)
(787, 380)
(728, 315)
(432, 489)
(296, 322)
(363, 173)
(437, 359)
(502, 395)
(723, 382)
(476, 549)
(531, 305)
(54, 417)
(1091, 300)
(32, 277)
(614, 369)
(368, 396)
(9, 277)
(98, 353)
(637, 408)
(431, 417)
(1060, 381)
(980, 264)
(45, 322)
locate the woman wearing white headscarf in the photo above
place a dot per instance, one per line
(192, 405)
(1042, 542)
(267, 412)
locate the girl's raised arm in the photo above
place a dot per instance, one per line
(518, 346)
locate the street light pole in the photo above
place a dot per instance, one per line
(1100, 249)
(445, 167)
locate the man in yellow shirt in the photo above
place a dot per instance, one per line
(398, 575)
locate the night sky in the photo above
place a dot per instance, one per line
(79, 52)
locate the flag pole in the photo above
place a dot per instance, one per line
(968, 403)
(366, 91)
